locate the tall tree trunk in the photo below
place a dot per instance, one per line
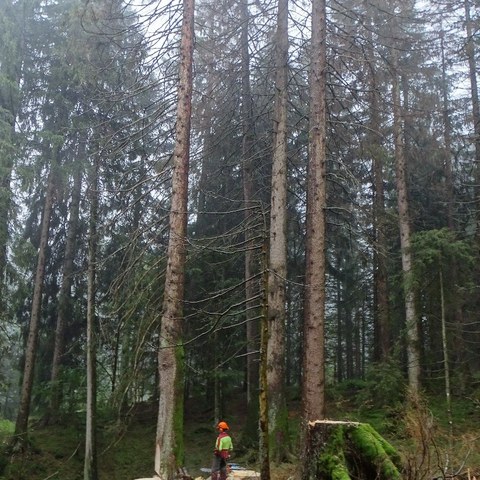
(348, 339)
(207, 118)
(90, 471)
(459, 344)
(169, 438)
(248, 150)
(358, 348)
(375, 150)
(314, 314)
(264, 450)
(339, 374)
(278, 414)
(413, 348)
(21, 426)
(473, 71)
(446, 363)
(65, 289)
(447, 138)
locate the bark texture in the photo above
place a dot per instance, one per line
(65, 290)
(169, 438)
(248, 198)
(376, 153)
(90, 471)
(21, 425)
(314, 348)
(473, 71)
(278, 415)
(251, 288)
(413, 353)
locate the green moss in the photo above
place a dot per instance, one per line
(375, 450)
(334, 466)
(340, 472)
(279, 441)
(343, 451)
(332, 463)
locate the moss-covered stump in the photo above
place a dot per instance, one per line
(347, 451)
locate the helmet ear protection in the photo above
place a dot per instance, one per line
(222, 425)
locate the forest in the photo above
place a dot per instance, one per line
(265, 212)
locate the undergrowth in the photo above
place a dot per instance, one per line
(420, 432)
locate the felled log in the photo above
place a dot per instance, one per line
(347, 451)
(238, 474)
(244, 475)
(181, 474)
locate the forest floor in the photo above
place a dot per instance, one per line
(126, 449)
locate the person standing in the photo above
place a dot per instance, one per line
(223, 447)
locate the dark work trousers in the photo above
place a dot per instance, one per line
(219, 468)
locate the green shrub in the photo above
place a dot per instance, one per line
(6, 427)
(384, 386)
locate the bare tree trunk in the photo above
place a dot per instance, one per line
(90, 471)
(206, 167)
(447, 139)
(473, 70)
(65, 289)
(278, 414)
(169, 438)
(247, 160)
(413, 353)
(381, 310)
(348, 340)
(264, 444)
(339, 375)
(314, 346)
(459, 344)
(446, 363)
(248, 150)
(358, 349)
(21, 426)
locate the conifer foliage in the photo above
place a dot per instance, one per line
(209, 200)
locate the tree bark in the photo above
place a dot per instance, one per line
(472, 66)
(339, 374)
(65, 289)
(264, 443)
(314, 347)
(251, 313)
(169, 438)
(21, 425)
(446, 363)
(278, 414)
(413, 353)
(90, 471)
(458, 340)
(375, 151)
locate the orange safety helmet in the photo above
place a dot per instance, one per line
(222, 425)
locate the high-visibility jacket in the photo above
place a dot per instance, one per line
(223, 445)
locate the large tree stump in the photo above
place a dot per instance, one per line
(347, 451)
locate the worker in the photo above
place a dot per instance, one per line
(223, 447)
